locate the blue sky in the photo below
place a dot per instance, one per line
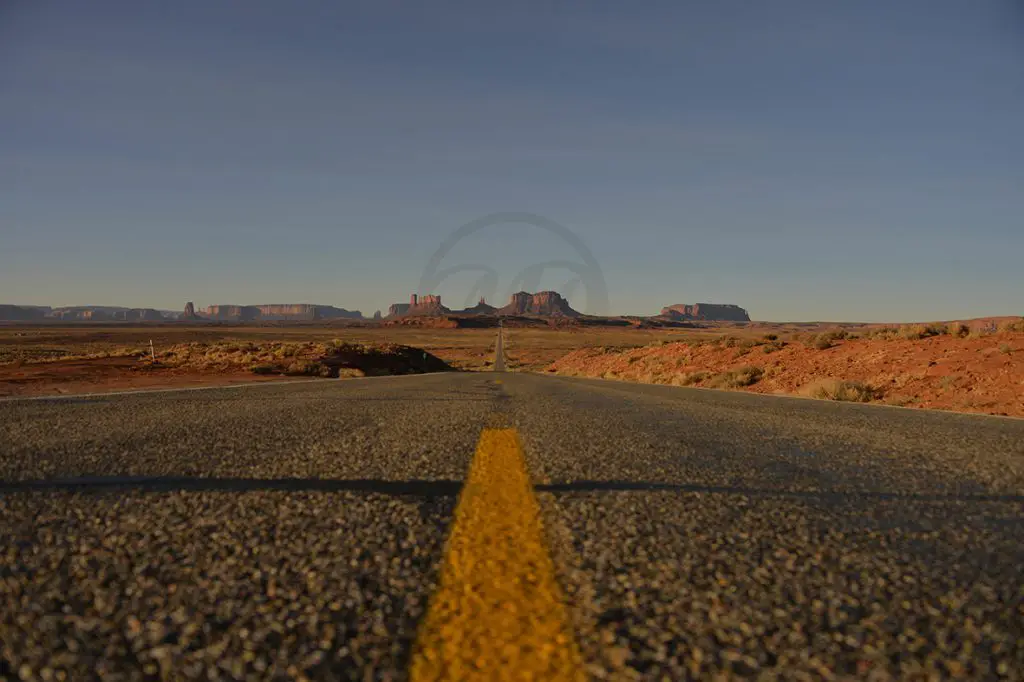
(806, 160)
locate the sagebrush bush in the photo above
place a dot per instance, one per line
(848, 391)
(737, 378)
(1012, 325)
(958, 330)
(689, 378)
(883, 333)
(915, 332)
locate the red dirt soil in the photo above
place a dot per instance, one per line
(977, 374)
(108, 374)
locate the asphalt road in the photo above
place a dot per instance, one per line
(290, 531)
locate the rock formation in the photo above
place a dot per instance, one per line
(725, 312)
(428, 304)
(21, 313)
(130, 315)
(279, 312)
(481, 308)
(544, 304)
(377, 315)
(234, 313)
(190, 312)
(305, 311)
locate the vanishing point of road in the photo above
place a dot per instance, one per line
(505, 526)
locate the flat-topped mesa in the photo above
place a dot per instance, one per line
(240, 313)
(279, 311)
(138, 315)
(305, 311)
(543, 304)
(723, 312)
(22, 313)
(428, 304)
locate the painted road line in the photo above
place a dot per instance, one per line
(498, 612)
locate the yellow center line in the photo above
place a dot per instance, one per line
(498, 612)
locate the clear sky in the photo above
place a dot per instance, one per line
(807, 160)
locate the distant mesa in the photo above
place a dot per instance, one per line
(723, 312)
(190, 312)
(22, 313)
(428, 304)
(86, 313)
(275, 312)
(542, 304)
(377, 315)
(106, 314)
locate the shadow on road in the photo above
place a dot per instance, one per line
(451, 488)
(416, 488)
(835, 495)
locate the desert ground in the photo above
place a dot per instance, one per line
(971, 366)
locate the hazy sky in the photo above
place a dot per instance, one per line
(806, 160)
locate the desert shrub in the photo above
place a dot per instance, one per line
(1012, 325)
(737, 378)
(822, 342)
(771, 337)
(848, 391)
(958, 330)
(915, 332)
(264, 369)
(303, 368)
(749, 375)
(689, 378)
(827, 338)
(882, 333)
(773, 347)
(1005, 348)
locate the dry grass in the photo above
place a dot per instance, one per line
(847, 391)
(736, 378)
(296, 359)
(1012, 326)
(689, 378)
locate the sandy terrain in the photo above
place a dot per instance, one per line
(971, 368)
(56, 359)
(972, 373)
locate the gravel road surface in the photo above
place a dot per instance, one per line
(297, 531)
